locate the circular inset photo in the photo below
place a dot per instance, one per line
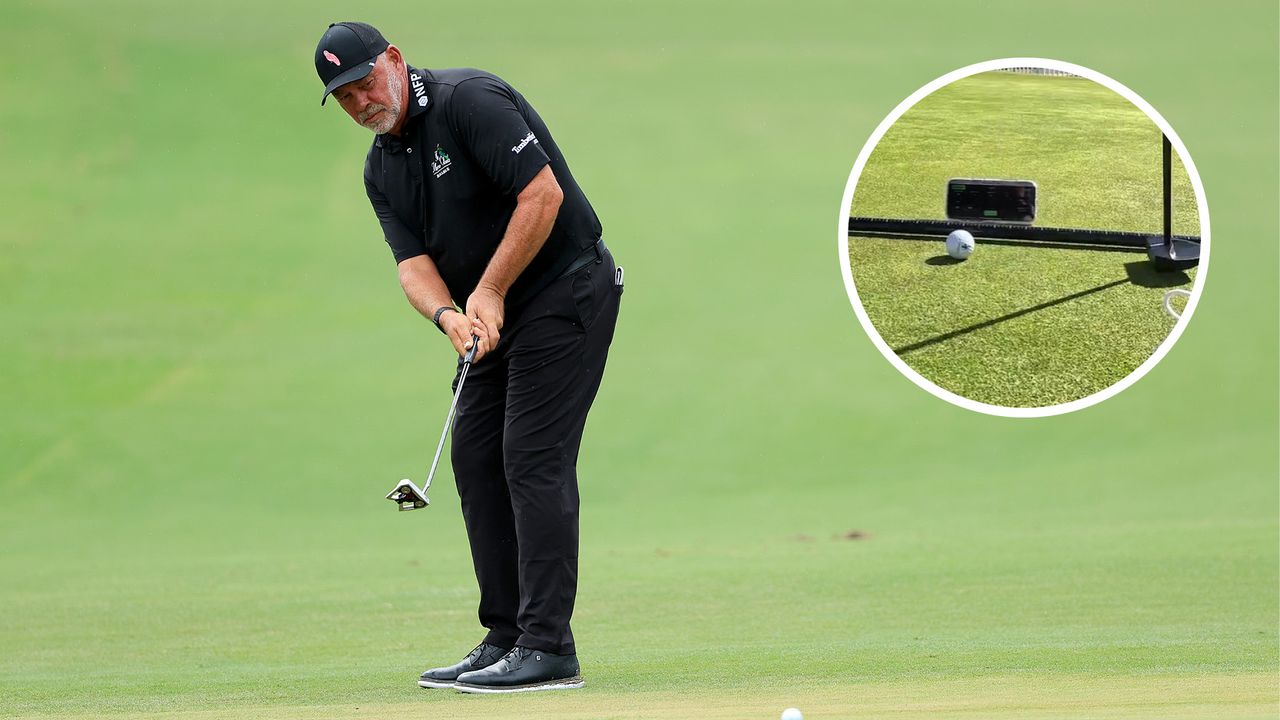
(1024, 237)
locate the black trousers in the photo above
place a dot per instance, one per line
(515, 451)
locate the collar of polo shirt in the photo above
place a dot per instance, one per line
(417, 104)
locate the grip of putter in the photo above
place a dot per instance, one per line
(471, 354)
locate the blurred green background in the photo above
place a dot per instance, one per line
(211, 378)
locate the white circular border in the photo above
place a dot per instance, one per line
(1047, 410)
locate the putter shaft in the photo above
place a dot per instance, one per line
(413, 500)
(448, 421)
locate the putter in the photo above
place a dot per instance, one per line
(407, 495)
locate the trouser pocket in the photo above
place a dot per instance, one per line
(589, 287)
(583, 291)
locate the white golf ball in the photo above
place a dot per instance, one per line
(960, 244)
(792, 714)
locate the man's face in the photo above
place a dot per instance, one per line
(375, 101)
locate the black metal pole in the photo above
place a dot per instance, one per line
(1168, 193)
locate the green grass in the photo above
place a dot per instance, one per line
(211, 379)
(1020, 326)
(1014, 326)
(1094, 156)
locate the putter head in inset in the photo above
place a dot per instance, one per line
(1173, 255)
(407, 496)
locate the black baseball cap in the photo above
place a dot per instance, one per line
(346, 52)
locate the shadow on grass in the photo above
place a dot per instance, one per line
(942, 260)
(1017, 314)
(1142, 274)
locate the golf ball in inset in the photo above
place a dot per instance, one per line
(960, 244)
(792, 714)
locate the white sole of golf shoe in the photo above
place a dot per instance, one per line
(565, 684)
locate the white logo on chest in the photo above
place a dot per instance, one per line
(440, 164)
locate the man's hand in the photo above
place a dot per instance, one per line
(485, 310)
(458, 327)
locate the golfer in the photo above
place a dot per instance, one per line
(496, 244)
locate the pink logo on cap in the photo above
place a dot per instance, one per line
(332, 58)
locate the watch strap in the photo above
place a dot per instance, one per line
(441, 311)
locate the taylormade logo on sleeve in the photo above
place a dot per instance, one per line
(524, 143)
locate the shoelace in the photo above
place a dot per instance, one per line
(516, 656)
(478, 654)
(475, 653)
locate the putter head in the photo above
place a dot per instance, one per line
(1178, 255)
(407, 496)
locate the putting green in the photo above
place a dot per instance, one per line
(1014, 326)
(1020, 326)
(1240, 697)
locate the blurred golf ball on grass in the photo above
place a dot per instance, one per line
(960, 244)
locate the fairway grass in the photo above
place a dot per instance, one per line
(1000, 697)
(211, 379)
(952, 579)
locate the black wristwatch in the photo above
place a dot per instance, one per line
(440, 311)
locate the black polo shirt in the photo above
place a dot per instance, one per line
(447, 186)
